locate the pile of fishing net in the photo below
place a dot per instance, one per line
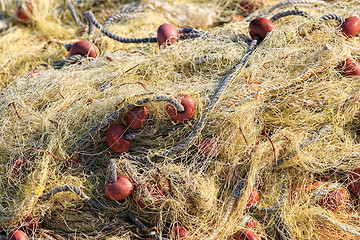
(113, 127)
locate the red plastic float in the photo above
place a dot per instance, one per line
(250, 223)
(33, 223)
(167, 34)
(261, 27)
(179, 232)
(20, 165)
(122, 188)
(115, 138)
(17, 235)
(354, 181)
(351, 26)
(350, 67)
(187, 114)
(335, 200)
(136, 117)
(244, 234)
(84, 48)
(157, 195)
(253, 198)
(24, 12)
(208, 146)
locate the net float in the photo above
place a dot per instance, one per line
(115, 138)
(335, 200)
(136, 117)
(179, 232)
(24, 12)
(350, 67)
(351, 26)
(167, 34)
(120, 189)
(249, 6)
(33, 223)
(261, 27)
(354, 180)
(248, 222)
(17, 235)
(187, 114)
(208, 146)
(253, 198)
(156, 195)
(84, 48)
(244, 234)
(19, 166)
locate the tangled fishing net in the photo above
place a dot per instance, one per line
(270, 152)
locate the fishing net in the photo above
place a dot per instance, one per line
(271, 151)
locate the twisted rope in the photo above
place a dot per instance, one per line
(310, 140)
(281, 228)
(292, 3)
(343, 227)
(94, 22)
(332, 17)
(224, 218)
(221, 88)
(288, 4)
(238, 37)
(150, 234)
(115, 115)
(108, 21)
(78, 192)
(239, 189)
(132, 135)
(72, 59)
(73, 13)
(113, 173)
(289, 13)
(116, 17)
(188, 32)
(190, 35)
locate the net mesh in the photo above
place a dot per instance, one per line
(285, 127)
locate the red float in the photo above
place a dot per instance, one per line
(115, 138)
(121, 189)
(354, 181)
(249, 6)
(167, 34)
(208, 146)
(250, 223)
(350, 67)
(17, 235)
(244, 234)
(335, 200)
(156, 194)
(261, 27)
(136, 117)
(84, 48)
(253, 198)
(33, 223)
(20, 165)
(24, 12)
(350, 27)
(187, 114)
(179, 232)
